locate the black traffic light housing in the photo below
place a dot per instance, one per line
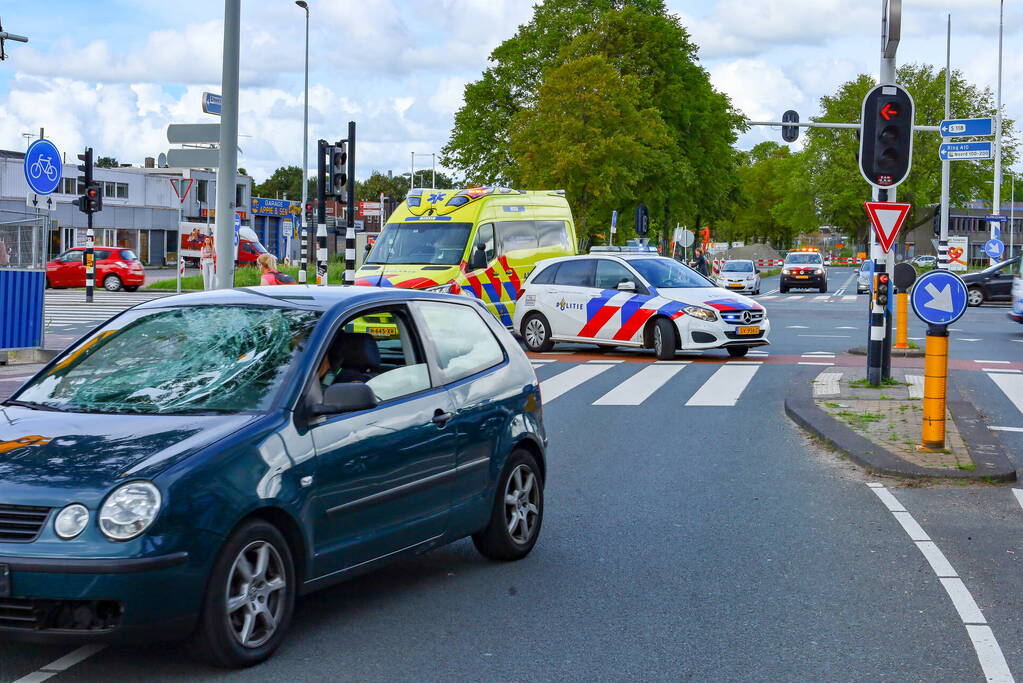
(93, 197)
(85, 205)
(790, 133)
(882, 289)
(309, 218)
(886, 143)
(642, 220)
(337, 170)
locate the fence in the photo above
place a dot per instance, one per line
(777, 263)
(23, 254)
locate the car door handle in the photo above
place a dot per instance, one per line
(441, 418)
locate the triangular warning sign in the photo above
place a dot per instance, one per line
(887, 218)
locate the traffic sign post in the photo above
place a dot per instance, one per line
(904, 276)
(181, 188)
(939, 298)
(886, 218)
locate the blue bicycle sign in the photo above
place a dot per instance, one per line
(43, 166)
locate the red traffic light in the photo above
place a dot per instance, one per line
(889, 112)
(882, 278)
(91, 192)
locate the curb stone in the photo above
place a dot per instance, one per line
(985, 450)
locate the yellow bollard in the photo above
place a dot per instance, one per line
(902, 320)
(935, 381)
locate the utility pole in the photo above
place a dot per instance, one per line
(996, 204)
(4, 35)
(946, 164)
(349, 278)
(305, 115)
(227, 172)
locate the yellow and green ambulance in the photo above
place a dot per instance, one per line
(480, 241)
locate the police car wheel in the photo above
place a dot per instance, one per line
(663, 334)
(783, 289)
(536, 332)
(737, 351)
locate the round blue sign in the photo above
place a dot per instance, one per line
(939, 297)
(43, 166)
(994, 248)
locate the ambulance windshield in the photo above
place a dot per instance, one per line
(430, 242)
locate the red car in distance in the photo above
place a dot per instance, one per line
(116, 269)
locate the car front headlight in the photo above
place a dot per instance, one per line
(129, 510)
(71, 521)
(701, 313)
(819, 271)
(786, 271)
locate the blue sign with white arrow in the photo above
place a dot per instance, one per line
(962, 151)
(955, 128)
(43, 166)
(994, 248)
(939, 297)
(237, 227)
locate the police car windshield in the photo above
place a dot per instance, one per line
(738, 267)
(803, 258)
(664, 272)
(428, 242)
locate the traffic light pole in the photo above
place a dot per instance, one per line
(946, 164)
(349, 278)
(321, 212)
(90, 261)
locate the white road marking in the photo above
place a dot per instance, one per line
(968, 340)
(822, 297)
(916, 386)
(832, 336)
(811, 354)
(605, 360)
(768, 296)
(994, 362)
(1011, 386)
(795, 297)
(542, 360)
(639, 387)
(796, 327)
(724, 387)
(1009, 370)
(804, 362)
(826, 384)
(565, 381)
(845, 327)
(62, 664)
(672, 362)
(1006, 429)
(849, 297)
(989, 654)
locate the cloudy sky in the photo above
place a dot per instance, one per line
(115, 78)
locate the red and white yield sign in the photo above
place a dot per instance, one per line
(887, 218)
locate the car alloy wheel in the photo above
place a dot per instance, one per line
(521, 504)
(975, 297)
(255, 592)
(536, 333)
(112, 283)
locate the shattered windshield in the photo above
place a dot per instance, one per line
(203, 359)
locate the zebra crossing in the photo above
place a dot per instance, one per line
(63, 311)
(723, 388)
(795, 298)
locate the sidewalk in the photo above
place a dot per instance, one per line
(880, 428)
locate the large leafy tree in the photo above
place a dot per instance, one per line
(592, 134)
(832, 154)
(636, 38)
(285, 180)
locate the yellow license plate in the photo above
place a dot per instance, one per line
(381, 331)
(802, 277)
(737, 285)
(753, 329)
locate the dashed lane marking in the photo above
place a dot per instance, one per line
(989, 654)
(62, 664)
(725, 386)
(1007, 429)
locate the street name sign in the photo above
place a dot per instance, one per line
(962, 151)
(193, 133)
(212, 103)
(939, 297)
(994, 248)
(43, 166)
(953, 128)
(193, 158)
(887, 218)
(996, 219)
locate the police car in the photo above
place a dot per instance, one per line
(803, 269)
(638, 300)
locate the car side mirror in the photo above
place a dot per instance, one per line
(626, 286)
(346, 397)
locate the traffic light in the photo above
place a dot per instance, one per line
(886, 145)
(882, 288)
(92, 200)
(85, 179)
(309, 219)
(337, 171)
(790, 133)
(642, 220)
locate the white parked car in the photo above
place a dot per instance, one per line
(740, 275)
(636, 300)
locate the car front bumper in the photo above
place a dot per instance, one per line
(67, 599)
(810, 281)
(698, 335)
(744, 287)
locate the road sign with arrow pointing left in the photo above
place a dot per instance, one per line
(887, 218)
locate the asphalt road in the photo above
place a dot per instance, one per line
(697, 534)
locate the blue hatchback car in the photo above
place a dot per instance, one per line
(198, 461)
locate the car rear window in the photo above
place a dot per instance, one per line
(575, 273)
(546, 276)
(128, 255)
(102, 254)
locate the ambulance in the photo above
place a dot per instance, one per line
(481, 242)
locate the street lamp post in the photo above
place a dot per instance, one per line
(305, 115)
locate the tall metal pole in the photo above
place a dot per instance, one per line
(433, 180)
(349, 277)
(946, 165)
(412, 175)
(228, 170)
(879, 362)
(305, 117)
(1012, 215)
(996, 204)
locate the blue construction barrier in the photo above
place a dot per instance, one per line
(21, 308)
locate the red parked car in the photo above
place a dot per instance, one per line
(116, 269)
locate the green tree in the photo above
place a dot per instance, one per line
(591, 135)
(636, 38)
(285, 180)
(832, 154)
(107, 162)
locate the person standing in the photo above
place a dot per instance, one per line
(208, 263)
(269, 275)
(701, 264)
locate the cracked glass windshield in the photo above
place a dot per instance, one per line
(208, 359)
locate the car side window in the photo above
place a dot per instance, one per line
(102, 254)
(516, 236)
(465, 344)
(379, 349)
(485, 241)
(610, 273)
(552, 234)
(575, 273)
(546, 276)
(73, 257)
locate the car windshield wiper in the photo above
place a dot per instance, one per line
(33, 405)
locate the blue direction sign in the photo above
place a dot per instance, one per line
(959, 151)
(212, 103)
(43, 166)
(996, 219)
(994, 248)
(955, 128)
(939, 297)
(237, 227)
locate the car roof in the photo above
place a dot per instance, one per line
(312, 297)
